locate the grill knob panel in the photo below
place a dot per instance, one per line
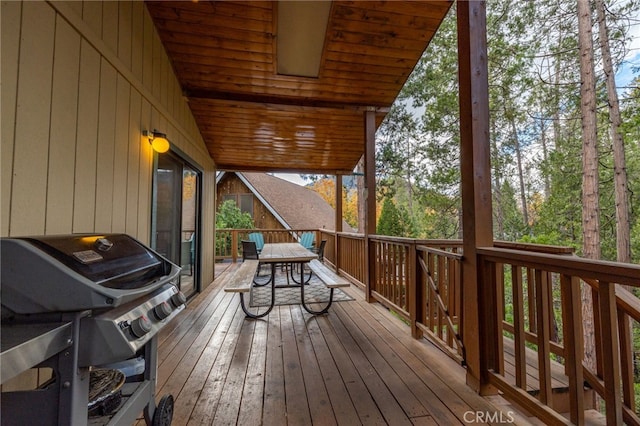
(162, 310)
(140, 326)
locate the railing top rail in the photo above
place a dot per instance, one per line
(354, 235)
(399, 240)
(614, 272)
(541, 248)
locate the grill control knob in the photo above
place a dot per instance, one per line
(162, 310)
(178, 299)
(140, 326)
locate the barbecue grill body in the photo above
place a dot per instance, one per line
(111, 292)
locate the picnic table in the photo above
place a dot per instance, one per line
(288, 253)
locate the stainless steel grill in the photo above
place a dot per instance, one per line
(76, 302)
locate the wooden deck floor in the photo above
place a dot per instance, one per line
(356, 365)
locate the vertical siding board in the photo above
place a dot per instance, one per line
(10, 32)
(33, 111)
(137, 38)
(76, 6)
(64, 109)
(92, 15)
(158, 51)
(121, 153)
(133, 164)
(164, 79)
(146, 162)
(110, 25)
(147, 63)
(105, 149)
(87, 140)
(124, 33)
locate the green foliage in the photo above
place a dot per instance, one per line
(229, 216)
(395, 221)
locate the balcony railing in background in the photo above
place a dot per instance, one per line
(534, 313)
(229, 241)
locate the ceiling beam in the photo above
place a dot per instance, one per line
(282, 100)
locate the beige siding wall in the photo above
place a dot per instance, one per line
(80, 82)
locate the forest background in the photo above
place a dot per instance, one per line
(536, 131)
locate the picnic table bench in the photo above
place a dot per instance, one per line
(329, 278)
(241, 280)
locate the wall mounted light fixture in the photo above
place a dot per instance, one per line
(158, 141)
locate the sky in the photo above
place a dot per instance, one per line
(624, 76)
(295, 178)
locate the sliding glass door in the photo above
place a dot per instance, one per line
(175, 216)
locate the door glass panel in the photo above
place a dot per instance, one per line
(189, 227)
(175, 217)
(167, 204)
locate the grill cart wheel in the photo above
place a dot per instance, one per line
(164, 411)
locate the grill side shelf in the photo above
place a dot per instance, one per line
(26, 345)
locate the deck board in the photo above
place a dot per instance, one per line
(356, 365)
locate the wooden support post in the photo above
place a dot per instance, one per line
(480, 319)
(336, 248)
(370, 195)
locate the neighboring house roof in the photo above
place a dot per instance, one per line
(295, 206)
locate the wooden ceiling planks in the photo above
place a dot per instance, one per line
(224, 55)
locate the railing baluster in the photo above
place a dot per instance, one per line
(442, 290)
(626, 360)
(572, 334)
(518, 326)
(531, 305)
(610, 352)
(543, 288)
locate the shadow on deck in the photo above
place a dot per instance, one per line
(356, 365)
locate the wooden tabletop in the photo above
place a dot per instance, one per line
(285, 252)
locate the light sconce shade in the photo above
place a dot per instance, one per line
(158, 141)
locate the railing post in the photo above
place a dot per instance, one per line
(610, 352)
(234, 245)
(414, 291)
(369, 195)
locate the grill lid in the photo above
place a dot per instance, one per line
(77, 272)
(114, 261)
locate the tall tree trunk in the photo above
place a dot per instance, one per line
(497, 186)
(590, 178)
(545, 158)
(623, 228)
(523, 195)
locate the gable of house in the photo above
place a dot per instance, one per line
(277, 203)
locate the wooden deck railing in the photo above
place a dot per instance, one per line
(536, 310)
(543, 290)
